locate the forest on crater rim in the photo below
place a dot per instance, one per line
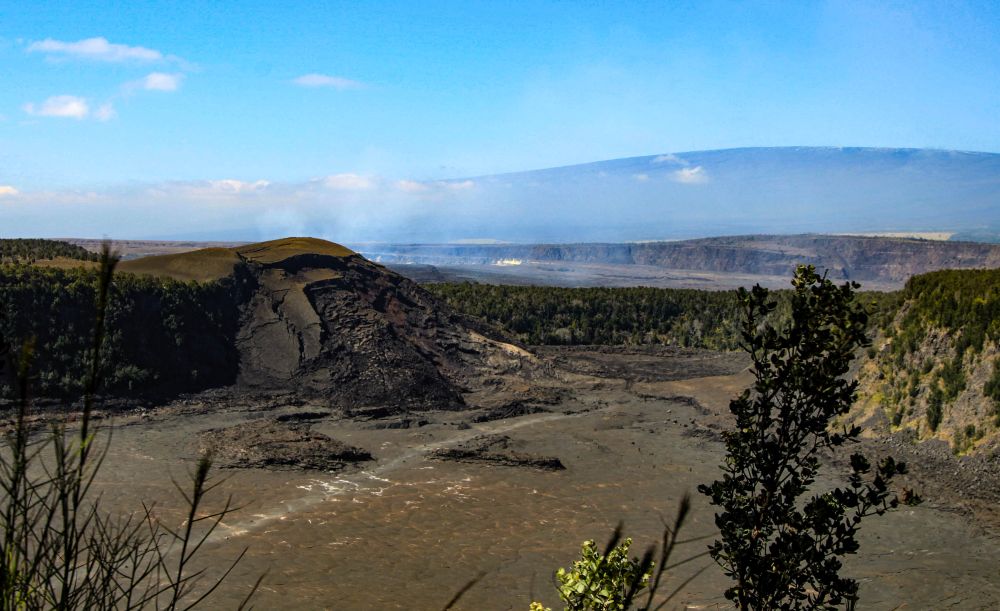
(933, 370)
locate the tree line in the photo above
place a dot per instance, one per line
(165, 336)
(545, 315)
(31, 250)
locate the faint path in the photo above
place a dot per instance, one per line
(352, 482)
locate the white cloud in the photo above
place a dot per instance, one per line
(225, 189)
(669, 158)
(67, 106)
(235, 187)
(641, 177)
(97, 49)
(158, 81)
(45, 198)
(106, 112)
(349, 182)
(433, 189)
(411, 186)
(8, 191)
(690, 176)
(323, 80)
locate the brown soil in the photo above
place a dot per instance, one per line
(407, 530)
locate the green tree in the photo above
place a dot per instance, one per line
(602, 582)
(781, 552)
(611, 581)
(992, 390)
(935, 408)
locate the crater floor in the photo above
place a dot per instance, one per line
(407, 529)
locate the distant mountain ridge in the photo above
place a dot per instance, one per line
(728, 192)
(669, 196)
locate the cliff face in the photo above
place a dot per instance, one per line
(886, 260)
(847, 257)
(916, 399)
(933, 371)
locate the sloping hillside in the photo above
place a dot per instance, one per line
(934, 369)
(295, 314)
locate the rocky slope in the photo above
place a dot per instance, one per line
(933, 371)
(322, 320)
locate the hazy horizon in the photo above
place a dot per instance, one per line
(376, 122)
(779, 190)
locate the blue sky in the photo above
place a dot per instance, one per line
(105, 101)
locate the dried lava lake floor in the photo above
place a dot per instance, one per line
(635, 430)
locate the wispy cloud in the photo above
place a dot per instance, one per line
(640, 177)
(348, 182)
(411, 186)
(669, 158)
(157, 81)
(65, 106)
(44, 198)
(433, 186)
(324, 80)
(106, 112)
(229, 185)
(96, 49)
(690, 176)
(70, 107)
(226, 189)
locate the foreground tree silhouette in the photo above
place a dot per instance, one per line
(781, 552)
